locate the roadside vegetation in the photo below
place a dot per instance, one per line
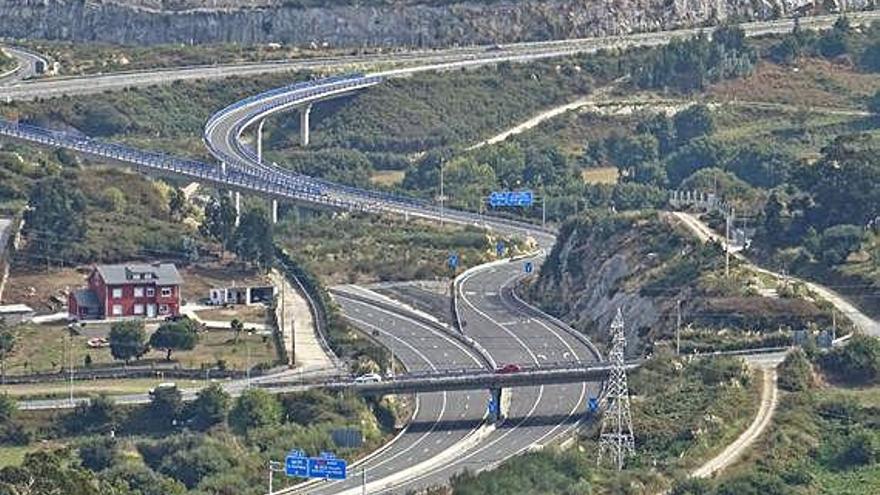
(367, 248)
(211, 445)
(77, 59)
(683, 412)
(7, 63)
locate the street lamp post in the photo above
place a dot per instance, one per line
(442, 198)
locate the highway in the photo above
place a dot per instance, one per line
(442, 420)
(393, 64)
(447, 434)
(27, 65)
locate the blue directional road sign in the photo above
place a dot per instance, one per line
(529, 267)
(593, 405)
(296, 464)
(499, 248)
(511, 198)
(327, 468)
(452, 261)
(493, 407)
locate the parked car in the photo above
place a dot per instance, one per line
(368, 378)
(97, 343)
(163, 386)
(508, 368)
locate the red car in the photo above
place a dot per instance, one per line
(508, 368)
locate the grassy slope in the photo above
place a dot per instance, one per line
(682, 412)
(346, 249)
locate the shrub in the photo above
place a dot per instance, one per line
(796, 373)
(98, 454)
(856, 362)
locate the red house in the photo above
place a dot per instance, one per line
(130, 290)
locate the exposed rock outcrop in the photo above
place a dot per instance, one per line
(341, 23)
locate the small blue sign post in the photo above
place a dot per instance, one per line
(529, 267)
(452, 261)
(593, 405)
(499, 248)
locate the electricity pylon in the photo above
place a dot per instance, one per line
(616, 440)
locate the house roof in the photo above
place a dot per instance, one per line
(85, 298)
(157, 273)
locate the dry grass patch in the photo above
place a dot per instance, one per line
(387, 177)
(600, 175)
(814, 82)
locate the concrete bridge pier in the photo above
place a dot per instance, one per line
(274, 211)
(237, 208)
(499, 404)
(223, 168)
(259, 141)
(304, 124)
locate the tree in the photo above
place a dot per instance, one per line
(98, 454)
(630, 151)
(166, 405)
(254, 408)
(838, 242)
(7, 344)
(55, 220)
(127, 339)
(99, 415)
(870, 59)
(693, 122)
(219, 221)
(237, 328)
(698, 154)
(659, 126)
(177, 204)
(174, 336)
(8, 408)
(856, 362)
(874, 100)
(795, 372)
(774, 228)
(210, 407)
(253, 239)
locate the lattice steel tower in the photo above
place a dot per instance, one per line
(616, 440)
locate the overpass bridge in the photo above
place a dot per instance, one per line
(458, 379)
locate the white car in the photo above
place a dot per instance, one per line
(368, 378)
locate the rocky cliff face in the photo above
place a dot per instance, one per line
(432, 23)
(600, 265)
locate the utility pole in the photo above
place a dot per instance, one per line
(727, 244)
(442, 198)
(70, 364)
(678, 327)
(616, 436)
(543, 210)
(272, 467)
(364, 481)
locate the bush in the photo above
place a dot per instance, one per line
(98, 454)
(796, 372)
(254, 409)
(856, 362)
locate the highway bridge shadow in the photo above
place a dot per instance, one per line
(514, 421)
